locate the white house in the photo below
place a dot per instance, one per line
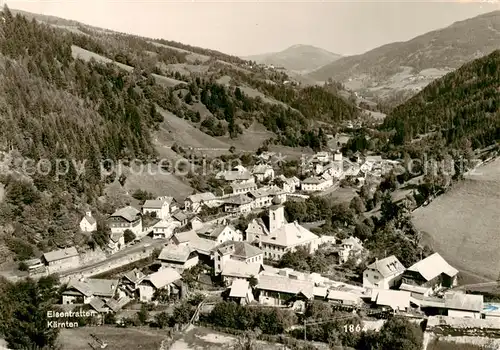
(263, 172)
(231, 251)
(220, 233)
(242, 188)
(179, 257)
(88, 223)
(315, 184)
(240, 270)
(280, 237)
(165, 228)
(116, 242)
(384, 273)
(241, 292)
(195, 202)
(350, 247)
(261, 198)
(163, 279)
(239, 204)
(84, 290)
(128, 218)
(62, 259)
(277, 290)
(159, 208)
(324, 157)
(289, 184)
(238, 174)
(395, 299)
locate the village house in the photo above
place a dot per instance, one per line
(128, 218)
(243, 188)
(463, 305)
(384, 273)
(238, 204)
(88, 223)
(238, 174)
(231, 251)
(429, 275)
(280, 237)
(163, 229)
(289, 185)
(179, 257)
(202, 246)
(261, 198)
(398, 301)
(350, 247)
(181, 217)
(130, 282)
(220, 233)
(323, 157)
(263, 172)
(195, 202)
(166, 278)
(116, 242)
(276, 290)
(241, 292)
(235, 269)
(84, 290)
(60, 260)
(316, 184)
(343, 297)
(159, 208)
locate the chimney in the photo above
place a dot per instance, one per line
(89, 214)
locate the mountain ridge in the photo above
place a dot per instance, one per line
(298, 57)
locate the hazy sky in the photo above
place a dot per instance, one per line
(259, 26)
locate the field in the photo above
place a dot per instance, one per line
(86, 55)
(116, 338)
(191, 57)
(462, 224)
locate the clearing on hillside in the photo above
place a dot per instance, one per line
(86, 55)
(462, 224)
(191, 57)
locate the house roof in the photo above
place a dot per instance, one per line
(95, 286)
(199, 197)
(90, 219)
(234, 175)
(259, 222)
(155, 203)
(239, 288)
(433, 266)
(464, 302)
(355, 242)
(179, 215)
(396, 299)
(134, 276)
(388, 266)
(239, 199)
(177, 253)
(97, 304)
(163, 277)
(235, 268)
(191, 238)
(312, 181)
(60, 254)
(166, 224)
(282, 284)
(343, 295)
(288, 235)
(239, 249)
(413, 289)
(115, 236)
(128, 213)
(246, 185)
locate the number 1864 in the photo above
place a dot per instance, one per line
(354, 328)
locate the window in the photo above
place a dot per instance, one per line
(375, 277)
(366, 274)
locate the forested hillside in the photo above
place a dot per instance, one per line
(58, 105)
(464, 106)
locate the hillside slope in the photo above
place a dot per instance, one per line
(297, 58)
(463, 105)
(438, 51)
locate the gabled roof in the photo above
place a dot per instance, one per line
(261, 168)
(90, 219)
(239, 199)
(433, 266)
(464, 302)
(95, 286)
(128, 213)
(115, 236)
(191, 238)
(312, 181)
(234, 175)
(179, 215)
(239, 288)
(396, 299)
(355, 242)
(235, 268)
(155, 203)
(343, 295)
(134, 276)
(177, 253)
(282, 284)
(199, 197)
(97, 304)
(388, 266)
(60, 254)
(163, 277)
(243, 186)
(288, 235)
(239, 249)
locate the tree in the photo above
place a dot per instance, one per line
(143, 314)
(24, 307)
(357, 205)
(129, 236)
(162, 320)
(400, 334)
